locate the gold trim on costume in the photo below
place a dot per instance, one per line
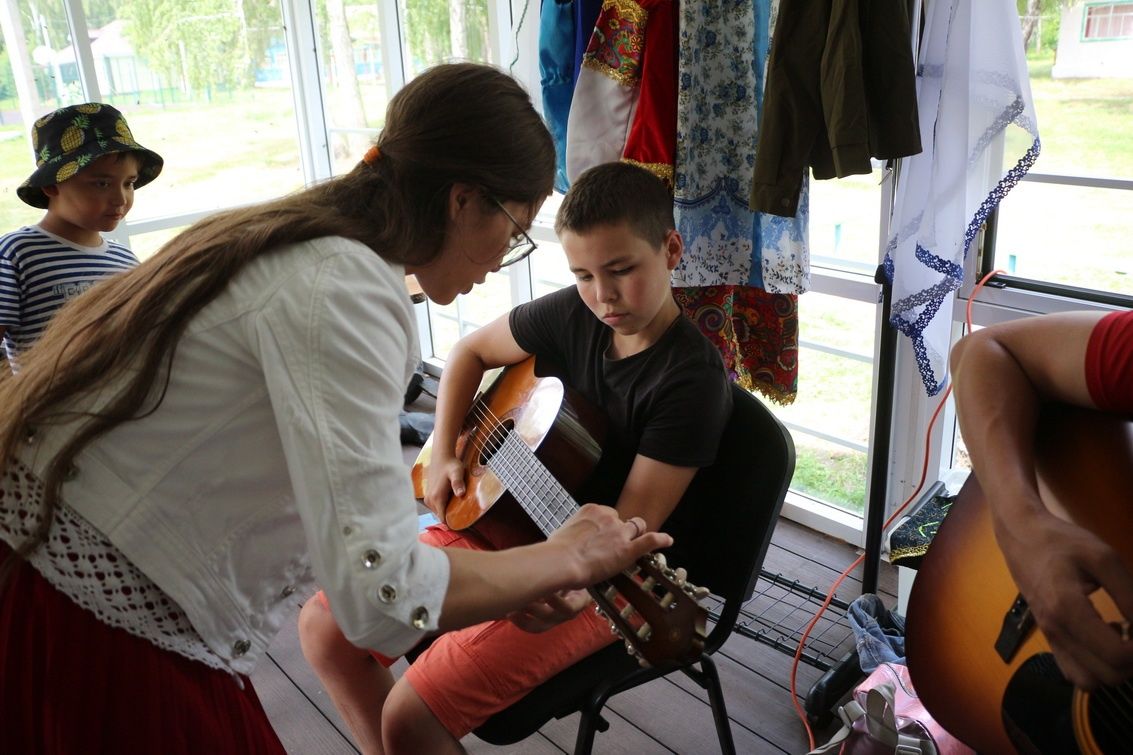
(622, 42)
(664, 171)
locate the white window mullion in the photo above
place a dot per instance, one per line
(307, 89)
(393, 54)
(84, 56)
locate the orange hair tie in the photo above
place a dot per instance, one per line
(373, 154)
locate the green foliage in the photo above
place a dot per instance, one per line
(7, 81)
(429, 33)
(210, 43)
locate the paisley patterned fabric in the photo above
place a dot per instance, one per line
(757, 333)
(742, 271)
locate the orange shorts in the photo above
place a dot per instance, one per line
(467, 675)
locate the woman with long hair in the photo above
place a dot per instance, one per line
(197, 439)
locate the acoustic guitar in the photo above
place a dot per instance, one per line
(980, 666)
(525, 440)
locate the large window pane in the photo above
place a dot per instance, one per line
(436, 31)
(469, 311)
(1060, 233)
(356, 84)
(35, 78)
(830, 418)
(1068, 235)
(203, 83)
(844, 222)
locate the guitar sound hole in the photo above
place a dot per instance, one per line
(1039, 712)
(492, 439)
(1037, 708)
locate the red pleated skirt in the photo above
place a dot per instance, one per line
(72, 684)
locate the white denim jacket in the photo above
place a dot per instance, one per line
(276, 450)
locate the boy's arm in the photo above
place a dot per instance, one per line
(652, 490)
(490, 346)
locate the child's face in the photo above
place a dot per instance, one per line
(624, 279)
(98, 196)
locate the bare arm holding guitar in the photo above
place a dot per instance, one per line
(650, 494)
(1002, 375)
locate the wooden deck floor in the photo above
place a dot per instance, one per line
(668, 715)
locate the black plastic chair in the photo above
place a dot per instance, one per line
(730, 512)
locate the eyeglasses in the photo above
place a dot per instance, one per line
(520, 245)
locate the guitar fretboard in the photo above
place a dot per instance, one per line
(531, 484)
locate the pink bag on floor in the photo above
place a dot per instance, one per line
(885, 717)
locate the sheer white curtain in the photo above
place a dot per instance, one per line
(980, 136)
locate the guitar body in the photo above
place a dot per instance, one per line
(526, 443)
(563, 430)
(963, 590)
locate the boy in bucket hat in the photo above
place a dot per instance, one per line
(87, 167)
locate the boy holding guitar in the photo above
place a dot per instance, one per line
(618, 338)
(1002, 375)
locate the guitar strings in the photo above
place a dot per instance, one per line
(1110, 708)
(495, 437)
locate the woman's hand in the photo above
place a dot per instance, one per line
(598, 544)
(1057, 565)
(444, 478)
(549, 612)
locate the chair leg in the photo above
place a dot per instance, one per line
(590, 724)
(719, 710)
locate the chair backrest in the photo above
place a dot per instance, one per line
(726, 519)
(731, 508)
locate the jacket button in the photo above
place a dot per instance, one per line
(420, 618)
(30, 436)
(371, 558)
(387, 593)
(70, 473)
(240, 647)
(287, 591)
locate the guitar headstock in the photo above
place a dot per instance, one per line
(656, 611)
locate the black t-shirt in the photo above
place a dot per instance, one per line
(669, 402)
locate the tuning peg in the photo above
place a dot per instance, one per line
(628, 611)
(680, 575)
(645, 632)
(659, 560)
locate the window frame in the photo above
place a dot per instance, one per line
(1090, 7)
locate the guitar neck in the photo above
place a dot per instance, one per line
(534, 488)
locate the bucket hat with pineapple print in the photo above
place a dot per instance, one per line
(69, 139)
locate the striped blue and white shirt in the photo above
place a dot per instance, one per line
(40, 272)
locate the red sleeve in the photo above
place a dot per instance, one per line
(1109, 362)
(652, 138)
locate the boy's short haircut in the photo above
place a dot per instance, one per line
(614, 193)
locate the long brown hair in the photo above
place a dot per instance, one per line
(454, 123)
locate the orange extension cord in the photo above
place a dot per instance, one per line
(834, 587)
